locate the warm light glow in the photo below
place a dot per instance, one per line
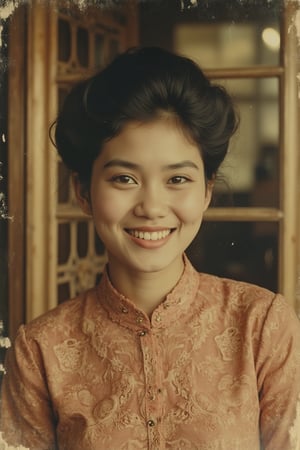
(271, 38)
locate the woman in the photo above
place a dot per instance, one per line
(157, 356)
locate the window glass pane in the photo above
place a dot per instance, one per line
(99, 51)
(226, 45)
(64, 242)
(216, 33)
(83, 47)
(63, 180)
(82, 239)
(63, 292)
(113, 49)
(63, 174)
(99, 247)
(64, 40)
(62, 93)
(249, 176)
(245, 251)
(98, 278)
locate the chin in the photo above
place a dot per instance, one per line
(157, 264)
(148, 268)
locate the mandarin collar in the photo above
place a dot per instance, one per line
(123, 311)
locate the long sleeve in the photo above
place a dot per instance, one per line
(90, 376)
(26, 414)
(278, 369)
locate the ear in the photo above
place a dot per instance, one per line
(82, 195)
(208, 193)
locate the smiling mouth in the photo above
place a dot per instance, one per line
(150, 235)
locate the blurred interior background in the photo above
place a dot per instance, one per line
(49, 251)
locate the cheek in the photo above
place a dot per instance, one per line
(108, 207)
(190, 208)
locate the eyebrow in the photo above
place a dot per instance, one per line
(131, 165)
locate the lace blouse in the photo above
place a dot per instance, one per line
(216, 367)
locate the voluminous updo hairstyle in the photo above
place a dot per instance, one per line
(141, 85)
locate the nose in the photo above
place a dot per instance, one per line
(151, 203)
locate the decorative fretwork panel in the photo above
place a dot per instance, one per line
(85, 43)
(80, 262)
(89, 41)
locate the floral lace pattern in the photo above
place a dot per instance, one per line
(217, 366)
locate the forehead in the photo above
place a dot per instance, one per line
(162, 138)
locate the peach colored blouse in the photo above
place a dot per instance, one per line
(217, 367)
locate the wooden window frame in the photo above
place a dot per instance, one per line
(17, 170)
(32, 238)
(286, 214)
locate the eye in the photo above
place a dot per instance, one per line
(178, 179)
(123, 179)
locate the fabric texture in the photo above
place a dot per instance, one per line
(217, 367)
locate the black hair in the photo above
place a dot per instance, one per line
(140, 85)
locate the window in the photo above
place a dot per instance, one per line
(250, 230)
(85, 43)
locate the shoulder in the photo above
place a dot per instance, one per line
(65, 319)
(233, 292)
(264, 317)
(246, 300)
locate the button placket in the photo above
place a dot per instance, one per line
(153, 402)
(150, 393)
(139, 319)
(158, 318)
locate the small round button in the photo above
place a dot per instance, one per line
(142, 333)
(139, 319)
(150, 423)
(124, 310)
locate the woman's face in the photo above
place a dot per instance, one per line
(148, 195)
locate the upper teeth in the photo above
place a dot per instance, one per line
(150, 236)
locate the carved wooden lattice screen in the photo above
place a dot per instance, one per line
(65, 45)
(87, 41)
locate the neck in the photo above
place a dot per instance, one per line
(146, 289)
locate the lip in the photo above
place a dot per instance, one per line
(150, 229)
(147, 243)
